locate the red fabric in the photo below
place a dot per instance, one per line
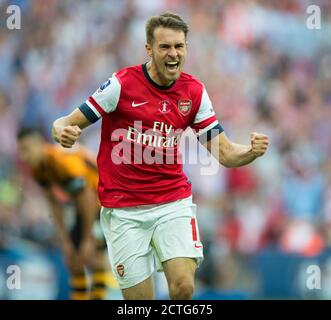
(194, 229)
(132, 184)
(241, 180)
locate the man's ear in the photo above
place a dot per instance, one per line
(148, 49)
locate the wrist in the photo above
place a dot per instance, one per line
(54, 134)
(57, 128)
(253, 154)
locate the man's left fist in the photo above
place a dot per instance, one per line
(259, 143)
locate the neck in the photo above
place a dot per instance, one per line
(155, 75)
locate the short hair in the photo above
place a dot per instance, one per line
(166, 20)
(29, 131)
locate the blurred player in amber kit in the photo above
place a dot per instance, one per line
(74, 174)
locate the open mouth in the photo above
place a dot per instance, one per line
(172, 65)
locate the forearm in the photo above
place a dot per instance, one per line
(86, 207)
(231, 154)
(58, 218)
(238, 155)
(66, 130)
(58, 124)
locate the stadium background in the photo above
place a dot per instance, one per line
(262, 225)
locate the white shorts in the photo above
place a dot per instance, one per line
(140, 238)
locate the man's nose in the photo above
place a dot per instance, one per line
(173, 52)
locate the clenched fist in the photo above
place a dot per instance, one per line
(66, 136)
(259, 143)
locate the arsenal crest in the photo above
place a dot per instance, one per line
(184, 106)
(120, 270)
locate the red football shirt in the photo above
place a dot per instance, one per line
(139, 160)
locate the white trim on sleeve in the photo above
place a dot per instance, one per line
(96, 112)
(212, 125)
(205, 109)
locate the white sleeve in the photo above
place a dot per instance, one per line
(105, 99)
(206, 109)
(205, 118)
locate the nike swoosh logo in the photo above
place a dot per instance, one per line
(134, 105)
(196, 246)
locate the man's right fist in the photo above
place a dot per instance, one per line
(66, 136)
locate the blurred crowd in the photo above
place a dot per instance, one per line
(264, 70)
